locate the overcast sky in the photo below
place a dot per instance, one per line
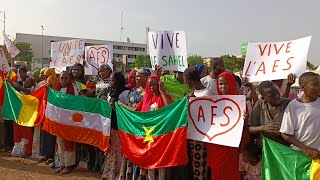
(212, 27)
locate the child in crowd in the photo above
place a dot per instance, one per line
(300, 125)
(66, 149)
(250, 162)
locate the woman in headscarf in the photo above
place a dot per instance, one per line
(47, 140)
(197, 150)
(114, 160)
(155, 97)
(102, 86)
(132, 79)
(224, 160)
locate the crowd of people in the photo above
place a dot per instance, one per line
(271, 111)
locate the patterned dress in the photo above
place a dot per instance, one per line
(133, 172)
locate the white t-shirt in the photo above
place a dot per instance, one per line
(202, 92)
(302, 121)
(210, 83)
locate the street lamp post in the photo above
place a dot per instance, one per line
(42, 46)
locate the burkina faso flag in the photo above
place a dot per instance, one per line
(154, 139)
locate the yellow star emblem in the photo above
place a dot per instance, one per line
(148, 139)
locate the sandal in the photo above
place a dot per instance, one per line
(59, 170)
(49, 161)
(66, 170)
(43, 159)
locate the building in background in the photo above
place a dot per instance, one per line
(120, 49)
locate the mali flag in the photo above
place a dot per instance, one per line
(80, 86)
(154, 139)
(12, 75)
(23, 109)
(283, 163)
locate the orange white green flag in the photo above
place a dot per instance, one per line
(79, 119)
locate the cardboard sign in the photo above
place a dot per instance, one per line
(4, 65)
(97, 55)
(275, 60)
(168, 49)
(66, 53)
(217, 119)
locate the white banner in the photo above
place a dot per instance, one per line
(217, 119)
(276, 60)
(12, 49)
(66, 53)
(97, 55)
(168, 49)
(4, 65)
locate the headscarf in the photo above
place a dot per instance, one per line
(36, 73)
(148, 98)
(30, 74)
(231, 81)
(130, 84)
(200, 67)
(218, 155)
(144, 71)
(43, 70)
(105, 66)
(52, 79)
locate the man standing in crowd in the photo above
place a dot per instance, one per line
(217, 68)
(300, 126)
(268, 112)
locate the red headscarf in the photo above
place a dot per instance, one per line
(149, 98)
(224, 157)
(231, 81)
(130, 84)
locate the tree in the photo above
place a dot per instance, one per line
(311, 66)
(26, 53)
(233, 63)
(194, 59)
(140, 61)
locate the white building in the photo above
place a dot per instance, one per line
(131, 50)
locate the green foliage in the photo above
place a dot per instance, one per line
(311, 66)
(233, 63)
(140, 61)
(26, 53)
(194, 59)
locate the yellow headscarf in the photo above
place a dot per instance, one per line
(51, 77)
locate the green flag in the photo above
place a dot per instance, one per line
(244, 47)
(283, 163)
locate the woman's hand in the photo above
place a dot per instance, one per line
(158, 70)
(162, 89)
(103, 97)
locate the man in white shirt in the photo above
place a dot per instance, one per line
(217, 68)
(300, 125)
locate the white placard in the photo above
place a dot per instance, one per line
(66, 53)
(217, 119)
(168, 49)
(4, 65)
(276, 60)
(97, 55)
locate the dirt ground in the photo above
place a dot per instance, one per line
(28, 168)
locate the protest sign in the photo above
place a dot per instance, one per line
(66, 53)
(97, 55)
(4, 65)
(168, 49)
(217, 119)
(275, 60)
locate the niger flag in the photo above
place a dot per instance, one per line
(79, 119)
(154, 139)
(23, 109)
